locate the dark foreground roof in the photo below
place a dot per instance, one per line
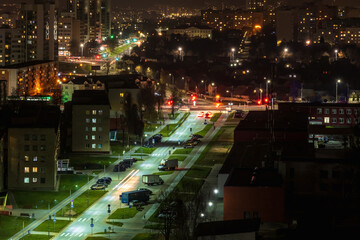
(90, 97)
(25, 64)
(261, 177)
(227, 227)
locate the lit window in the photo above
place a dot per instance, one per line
(35, 159)
(34, 180)
(93, 145)
(100, 112)
(99, 145)
(121, 94)
(94, 120)
(94, 112)
(35, 169)
(93, 137)
(87, 120)
(26, 169)
(26, 158)
(86, 137)
(333, 120)
(93, 129)
(26, 180)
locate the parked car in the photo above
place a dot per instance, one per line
(197, 136)
(145, 189)
(103, 182)
(148, 145)
(98, 186)
(107, 180)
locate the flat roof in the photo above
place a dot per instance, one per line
(90, 97)
(227, 227)
(250, 177)
(111, 81)
(283, 121)
(26, 64)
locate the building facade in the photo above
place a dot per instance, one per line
(69, 35)
(90, 121)
(11, 46)
(191, 32)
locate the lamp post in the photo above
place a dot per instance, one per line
(286, 50)
(336, 94)
(267, 87)
(336, 54)
(232, 54)
(180, 53)
(82, 49)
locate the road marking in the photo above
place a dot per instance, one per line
(67, 234)
(62, 234)
(80, 234)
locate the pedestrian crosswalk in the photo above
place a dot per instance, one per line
(87, 219)
(158, 154)
(72, 234)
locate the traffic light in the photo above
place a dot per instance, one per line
(127, 41)
(259, 102)
(112, 36)
(266, 100)
(170, 102)
(117, 59)
(104, 55)
(134, 40)
(98, 56)
(217, 105)
(193, 97)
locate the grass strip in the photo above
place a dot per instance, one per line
(230, 118)
(11, 225)
(145, 150)
(171, 117)
(150, 127)
(163, 173)
(81, 203)
(198, 172)
(119, 224)
(49, 225)
(124, 213)
(215, 117)
(183, 151)
(178, 157)
(200, 160)
(45, 199)
(146, 236)
(36, 237)
(169, 129)
(205, 130)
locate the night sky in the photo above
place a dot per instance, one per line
(196, 3)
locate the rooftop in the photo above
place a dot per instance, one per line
(318, 104)
(261, 177)
(90, 97)
(283, 121)
(25, 64)
(227, 227)
(112, 81)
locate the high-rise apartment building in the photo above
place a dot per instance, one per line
(255, 4)
(69, 35)
(11, 46)
(39, 29)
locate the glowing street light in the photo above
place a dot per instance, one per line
(232, 54)
(267, 87)
(180, 53)
(82, 49)
(336, 54)
(210, 204)
(337, 83)
(216, 191)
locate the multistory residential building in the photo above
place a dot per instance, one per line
(69, 35)
(39, 31)
(105, 19)
(90, 121)
(285, 25)
(255, 4)
(33, 145)
(191, 32)
(30, 78)
(11, 46)
(231, 19)
(349, 35)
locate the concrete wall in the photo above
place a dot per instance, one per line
(268, 202)
(36, 155)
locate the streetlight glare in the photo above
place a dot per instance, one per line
(180, 48)
(210, 204)
(216, 191)
(233, 49)
(339, 80)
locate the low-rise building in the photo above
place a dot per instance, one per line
(90, 121)
(191, 32)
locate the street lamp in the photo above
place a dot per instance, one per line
(180, 53)
(232, 54)
(336, 54)
(210, 204)
(216, 191)
(82, 49)
(267, 87)
(337, 83)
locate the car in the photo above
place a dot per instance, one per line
(157, 138)
(102, 181)
(98, 186)
(188, 145)
(107, 180)
(201, 114)
(197, 136)
(208, 115)
(130, 159)
(145, 189)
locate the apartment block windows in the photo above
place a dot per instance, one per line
(42, 137)
(87, 120)
(34, 180)
(93, 112)
(86, 137)
(42, 147)
(100, 112)
(93, 129)
(348, 121)
(333, 111)
(93, 120)
(26, 137)
(323, 174)
(326, 120)
(93, 137)
(35, 159)
(341, 120)
(34, 137)
(326, 111)
(34, 148)
(42, 180)
(26, 170)
(26, 147)
(93, 145)
(87, 145)
(26, 158)
(86, 129)
(319, 111)
(99, 145)
(26, 180)
(341, 111)
(348, 111)
(34, 169)
(333, 120)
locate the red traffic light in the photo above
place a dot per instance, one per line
(98, 56)
(266, 100)
(169, 102)
(259, 101)
(193, 97)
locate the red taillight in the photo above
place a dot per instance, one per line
(266, 100)
(259, 102)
